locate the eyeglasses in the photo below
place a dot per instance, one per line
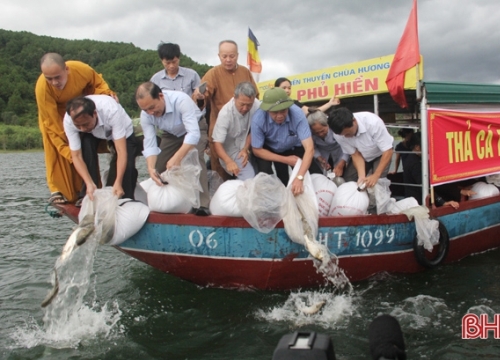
(281, 101)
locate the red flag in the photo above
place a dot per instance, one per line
(407, 56)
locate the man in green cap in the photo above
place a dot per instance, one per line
(280, 136)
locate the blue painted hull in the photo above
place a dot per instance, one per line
(227, 252)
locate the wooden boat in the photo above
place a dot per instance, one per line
(227, 252)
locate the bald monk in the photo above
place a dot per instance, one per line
(60, 82)
(221, 83)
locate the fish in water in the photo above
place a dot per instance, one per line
(52, 294)
(313, 309)
(77, 238)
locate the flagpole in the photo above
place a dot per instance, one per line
(418, 85)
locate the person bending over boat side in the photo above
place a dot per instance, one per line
(101, 117)
(280, 136)
(402, 146)
(446, 194)
(183, 126)
(231, 134)
(363, 135)
(327, 150)
(174, 77)
(286, 85)
(60, 82)
(221, 81)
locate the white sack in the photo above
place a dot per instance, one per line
(186, 178)
(483, 190)
(167, 199)
(324, 189)
(146, 184)
(224, 200)
(140, 194)
(383, 196)
(349, 201)
(402, 205)
(130, 218)
(493, 179)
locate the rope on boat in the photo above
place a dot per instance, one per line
(55, 214)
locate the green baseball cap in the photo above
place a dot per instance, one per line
(275, 99)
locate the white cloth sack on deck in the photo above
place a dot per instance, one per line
(493, 179)
(349, 201)
(427, 229)
(224, 200)
(139, 193)
(301, 216)
(146, 184)
(186, 178)
(383, 199)
(324, 189)
(167, 199)
(130, 218)
(261, 200)
(183, 189)
(120, 218)
(483, 190)
(404, 204)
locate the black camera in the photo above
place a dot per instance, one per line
(384, 334)
(304, 345)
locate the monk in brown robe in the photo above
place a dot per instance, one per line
(221, 82)
(60, 82)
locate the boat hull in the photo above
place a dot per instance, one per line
(226, 252)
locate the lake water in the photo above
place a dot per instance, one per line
(133, 311)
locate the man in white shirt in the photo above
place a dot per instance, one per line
(363, 135)
(183, 127)
(101, 117)
(231, 134)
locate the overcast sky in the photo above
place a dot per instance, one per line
(459, 39)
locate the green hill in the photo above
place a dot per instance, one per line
(123, 66)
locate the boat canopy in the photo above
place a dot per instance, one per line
(461, 93)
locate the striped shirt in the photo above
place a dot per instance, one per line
(186, 80)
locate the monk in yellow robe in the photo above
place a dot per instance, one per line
(221, 81)
(60, 82)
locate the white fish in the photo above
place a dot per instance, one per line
(52, 294)
(313, 309)
(313, 247)
(77, 238)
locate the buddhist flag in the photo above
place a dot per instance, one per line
(253, 59)
(407, 56)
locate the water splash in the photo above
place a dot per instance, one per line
(84, 325)
(67, 320)
(422, 312)
(335, 312)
